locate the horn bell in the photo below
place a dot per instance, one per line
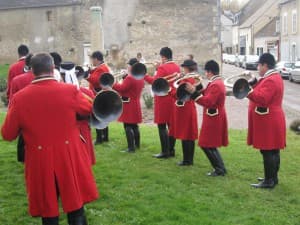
(182, 94)
(81, 73)
(160, 87)
(107, 106)
(107, 80)
(138, 71)
(241, 88)
(94, 122)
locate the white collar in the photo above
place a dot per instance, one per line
(269, 73)
(43, 78)
(215, 77)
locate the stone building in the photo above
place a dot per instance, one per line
(117, 27)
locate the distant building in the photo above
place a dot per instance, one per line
(249, 24)
(226, 34)
(290, 30)
(267, 39)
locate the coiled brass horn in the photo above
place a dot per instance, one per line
(161, 86)
(241, 88)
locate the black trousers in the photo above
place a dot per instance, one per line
(71, 215)
(215, 159)
(167, 142)
(132, 132)
(271, 161)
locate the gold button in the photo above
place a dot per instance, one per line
(67, 142)
(39, 147)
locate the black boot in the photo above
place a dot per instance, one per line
(216, 161)
(50, 220)
(136, 132)
(277, 162)
(130, 139)
(188, 153)
(77, 217)
(172, 142)
(105, 134)
(269, 170)
(99, 138)
(164, 142)
(220, 167)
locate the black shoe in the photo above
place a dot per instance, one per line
(262, 179)
(264, 184)
(98, 142)
(161, 156)
(78, 221)
(215, 174)
(128, 151)
(185, 163)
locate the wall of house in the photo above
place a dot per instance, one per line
(290, 42)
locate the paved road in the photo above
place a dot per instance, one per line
(237, 109)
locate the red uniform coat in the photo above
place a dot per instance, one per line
(95, 75)
(131, 89)
(185, 118)
(85, 130)
(214, 132)
(163, 105)
(14, 70)
(20, 82)
(267, 131)
(45, 113)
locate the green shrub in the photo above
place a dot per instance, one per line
(148, 99)
(4, 98)
(3, 84)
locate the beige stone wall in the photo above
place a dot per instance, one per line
(188, 27)
(44, 29)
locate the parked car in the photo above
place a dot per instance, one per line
(284, 68)
(250, 62)
(224, 57)
(239, 60)
(295, 72)
(231, 59)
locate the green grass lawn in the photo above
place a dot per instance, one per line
(138, 189)
(3, 71)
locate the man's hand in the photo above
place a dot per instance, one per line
(190, 88)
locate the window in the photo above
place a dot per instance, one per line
(259, 51)
(284, 24)
(294, 21)
(277, 26)
(49, 15)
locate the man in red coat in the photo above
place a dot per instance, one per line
(130, 90)
(266, 119)
(214, 132)
(185, 116)
(55, 162)
(93, 79)
(164, 105)
(18, 83)
(21, 81)
(16, 68)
